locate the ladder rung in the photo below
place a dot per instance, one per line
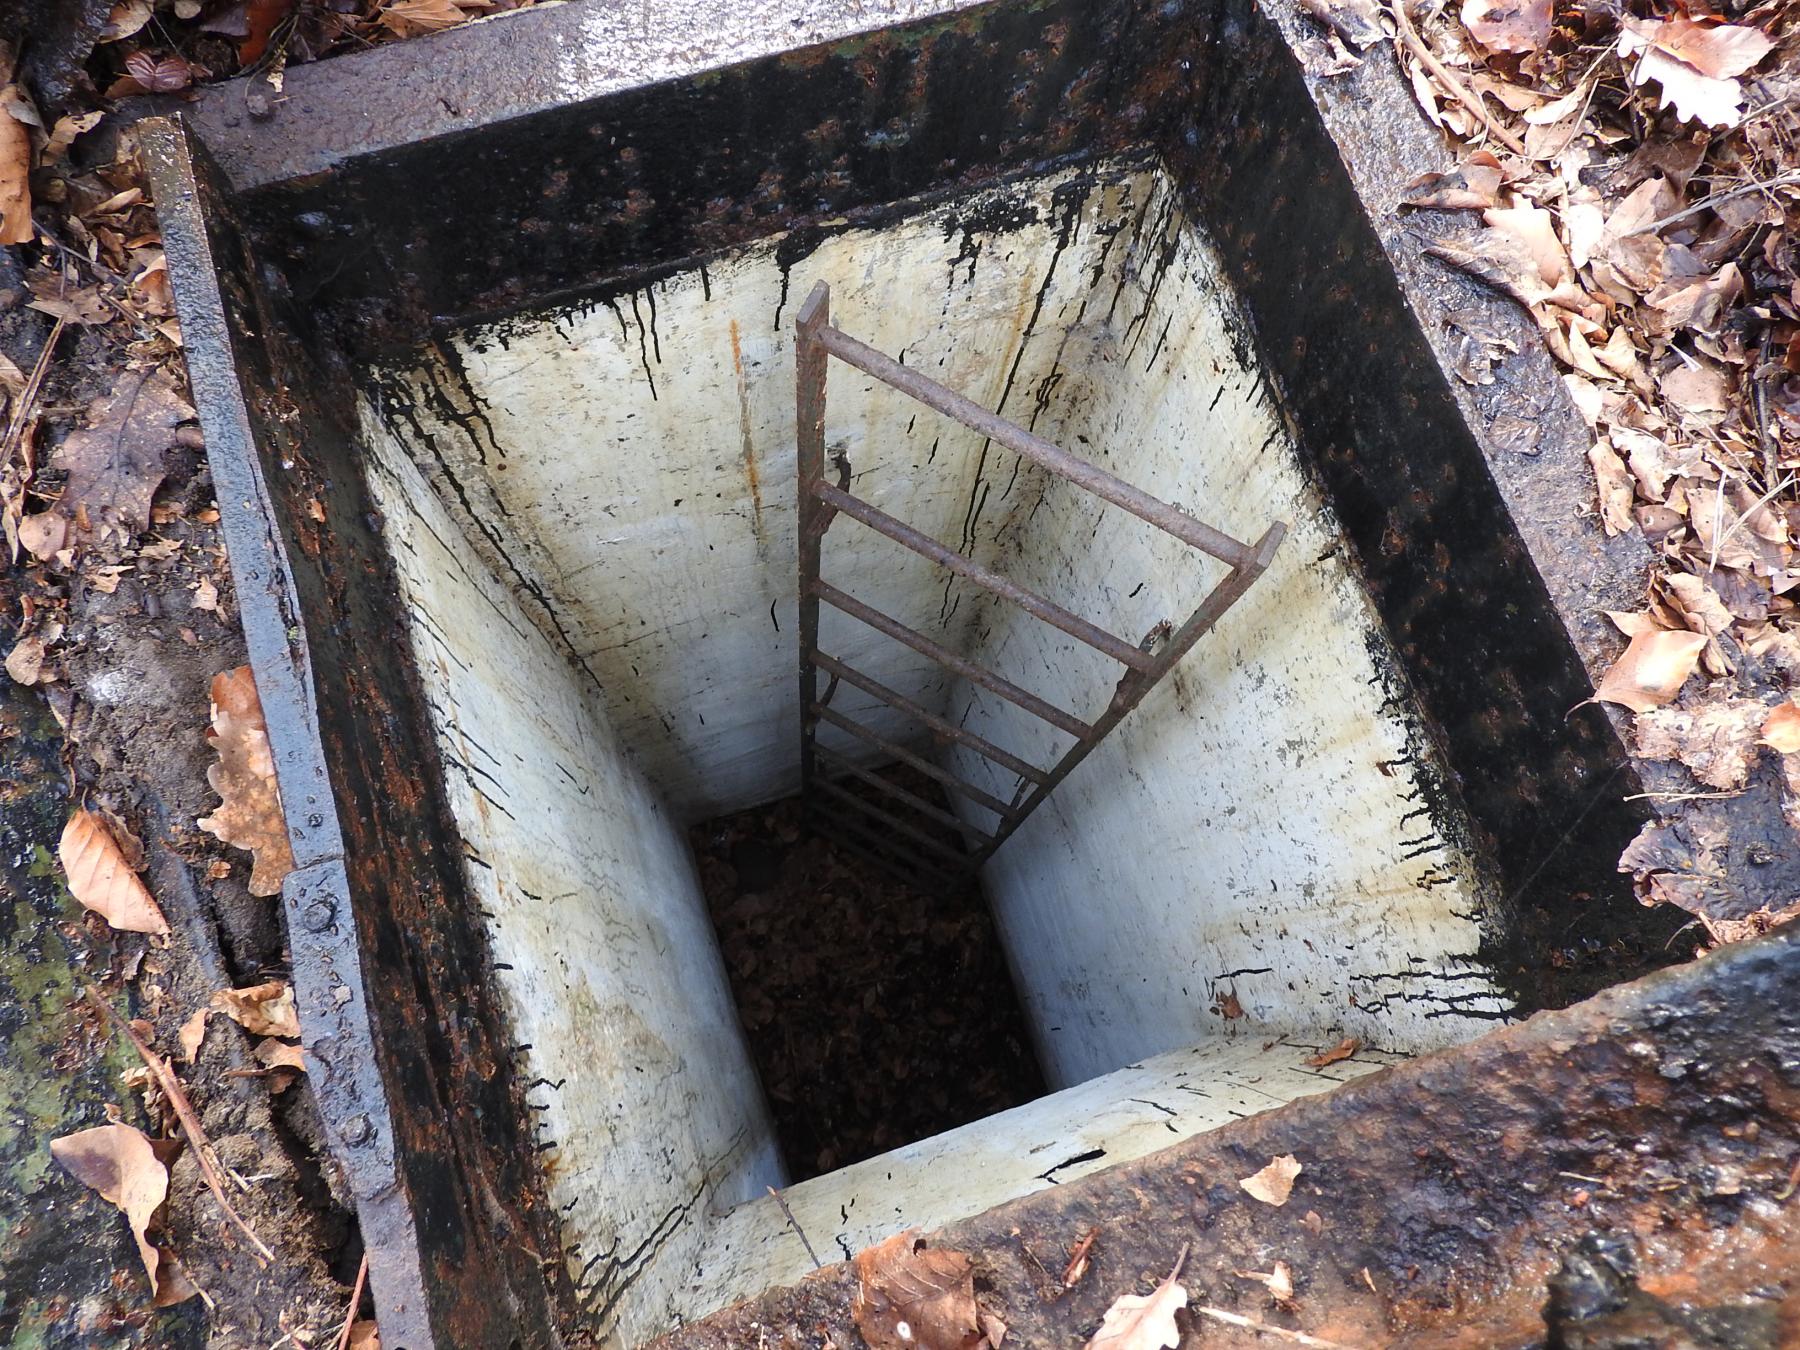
(1028, 600)
(981, 745)
(1078, 471)
(851, 834)
(980, 675)
(913, 833)
(913, 800)
(905, 756)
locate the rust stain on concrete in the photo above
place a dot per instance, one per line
(750, 473)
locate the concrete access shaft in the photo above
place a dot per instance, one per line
(499, 392)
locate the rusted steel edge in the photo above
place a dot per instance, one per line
(906, 756)
(893, 822)
(980, 675)
(336, 1031)
(1133, 688)
(899, 793)
(1039, 451)
(939, 727)
(1030, 601)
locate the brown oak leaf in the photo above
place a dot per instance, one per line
(265, 1009)
(913, 1297)
(249, 812)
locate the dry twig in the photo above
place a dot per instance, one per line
(1460, 91)
(799, 1232)
(190, 1122)
(362, 1277)
(1263, 1328)
(1706, 203)
(15, 426)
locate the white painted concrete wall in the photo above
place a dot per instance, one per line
(634, 461)
(1127, 1114)
(605, 959)
(1259, 824)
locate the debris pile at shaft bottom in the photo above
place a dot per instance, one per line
(877, 1014)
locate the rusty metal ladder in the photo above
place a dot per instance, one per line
(904, 849)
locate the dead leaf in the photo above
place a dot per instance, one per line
(1616, 489)
(1694, 64)
(1652, 670)
(283, 1061)
(1225, 1003)
(1717, 742)
(1535, 228)
(1078, 1259)
(1275, 1182)
(274, 1054)
(1279, 1282)
(63, 134)
(101, 880)
(265, 1009)
(25, 662)
(117, 461)
(192, 1034)
(1508, 25)
(15, 180)
(1357, 22)
(60, 297)
(1701, 608)
(1342, 1050)
(1144, 1321)
(913, 1297)
(127, 17)
(206, 595)
(1781, 728)
(409, 18)
(1631, 624)
(1752, 925)
(158, 75)
(261, 19)
(1698, 303)
(1719, 51)
(119, 1163)
(1473, 185)
(1498, 258)
(249, 813)
(364, 1336)
(1701, 388)
(44, 534)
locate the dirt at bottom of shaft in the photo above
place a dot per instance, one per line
(878, 1012)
